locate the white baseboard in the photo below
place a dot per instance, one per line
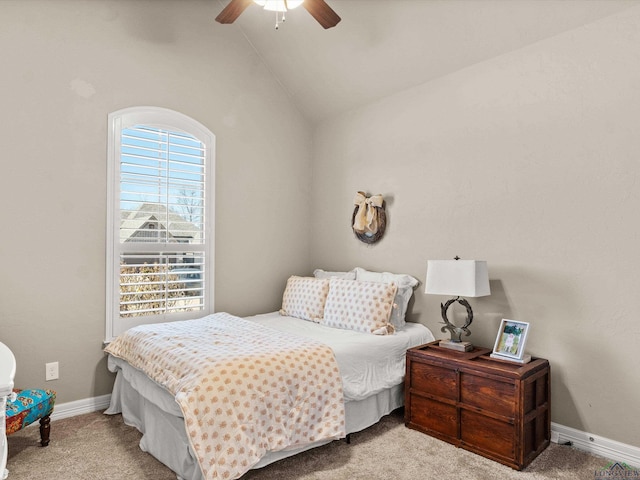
(611, 449)
(79, 407)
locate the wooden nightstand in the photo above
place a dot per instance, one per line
(498, 409)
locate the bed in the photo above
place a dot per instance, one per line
(358, 377)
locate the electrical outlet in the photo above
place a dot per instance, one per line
(51, 371)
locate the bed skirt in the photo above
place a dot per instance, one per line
(154, 412)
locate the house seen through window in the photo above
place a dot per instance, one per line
(160, 257)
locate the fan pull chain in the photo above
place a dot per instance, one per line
(282, 20)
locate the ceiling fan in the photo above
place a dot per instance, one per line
(318, 9)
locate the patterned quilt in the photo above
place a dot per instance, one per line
(244, 389)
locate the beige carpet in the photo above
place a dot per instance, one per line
(101, 447)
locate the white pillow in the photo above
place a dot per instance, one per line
(406, 284)
(359, 306)
(304, 297)
(318, 273)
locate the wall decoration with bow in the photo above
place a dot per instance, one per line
(369, 219)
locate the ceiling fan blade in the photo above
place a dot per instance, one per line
(233, 11)
(322, 12)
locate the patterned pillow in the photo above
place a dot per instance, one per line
(405, 283)
(360, 306)
(304, 298)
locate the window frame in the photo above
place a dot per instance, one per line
(156, 117)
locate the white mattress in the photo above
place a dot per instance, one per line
(368, 363)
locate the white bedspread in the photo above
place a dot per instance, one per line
(244, 389)
(368, 363)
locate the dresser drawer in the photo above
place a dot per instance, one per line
(433, 416)
(488, 435)
(434, 380)
(495, 396)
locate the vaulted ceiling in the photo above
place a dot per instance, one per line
(384, 46)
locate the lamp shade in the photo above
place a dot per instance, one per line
(462, 278)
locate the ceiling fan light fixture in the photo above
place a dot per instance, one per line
(318, 9)
(279, 5)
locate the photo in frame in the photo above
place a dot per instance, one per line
(511, 340)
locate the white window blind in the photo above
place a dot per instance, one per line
(160, 260)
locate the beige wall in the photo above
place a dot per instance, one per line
(65, 66)
(531, 162)
(528, 161)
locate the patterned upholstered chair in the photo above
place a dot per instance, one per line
(29, 406)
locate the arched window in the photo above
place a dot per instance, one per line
(160, 210)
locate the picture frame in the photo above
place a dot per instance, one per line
(511, 340)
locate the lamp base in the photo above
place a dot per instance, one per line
(459, 346)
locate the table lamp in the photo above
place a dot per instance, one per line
(461, 278)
